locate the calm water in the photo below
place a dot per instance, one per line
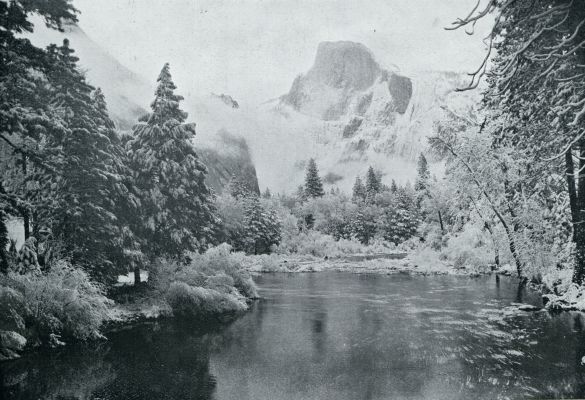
(331, 336)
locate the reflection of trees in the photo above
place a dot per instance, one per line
(318, 319)
(154, 361)
(166, 361)
(69, 374)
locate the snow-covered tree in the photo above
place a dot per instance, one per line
(359, 190)
(373, 184)
(400, 221)
(90, 182)
(26, 113)
(393, 186)
(239, 188)
(363, 224)
(535, 91)
(262, 227)
(177, 212)
(423, 174)
(313, 184)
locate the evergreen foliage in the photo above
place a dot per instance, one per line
(359, 190)
(422, 182)
(177, 212)
(248, 223)
(313, 185)
(400, 222)
(262, 227)
(91, 184)
(239, 188)
(393, 186)
(373, 184)
(423, 174)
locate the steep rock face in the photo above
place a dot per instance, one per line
(344, 65)
(340, 82)
(400, 89)
(226, 157)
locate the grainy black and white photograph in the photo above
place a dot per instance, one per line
(292, 199)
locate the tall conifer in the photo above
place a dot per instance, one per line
(313, 184)
(177, 213)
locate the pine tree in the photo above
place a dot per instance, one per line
(423, 174)
(359, 190)
(373, 184)
(26, 114)
(401, 220)
(238, 188)
(91, 185)
(313, 184)
(267, 194)
(393, 187)
(176, 206)
(421, 184)
(262, 227)
(363, 224)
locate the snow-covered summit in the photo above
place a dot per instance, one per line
(339, 81)
(349, 112)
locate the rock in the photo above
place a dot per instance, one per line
(528, 307)
(227, 156)
(11, 344)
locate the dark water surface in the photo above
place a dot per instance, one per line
(331, 336)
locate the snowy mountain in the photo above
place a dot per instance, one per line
(349, 112)
(128, 96)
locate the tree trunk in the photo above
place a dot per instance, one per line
(3, 244)
(571, 188)
(25, 211)
(577, 201)
(441, 221)
(136, 276)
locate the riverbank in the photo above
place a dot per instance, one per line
(382, 263)
(558, 294)
(63, 305)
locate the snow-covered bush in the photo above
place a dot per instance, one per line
(62, 302)
(318, 244)
(195, 301)
(471, 248)
(213, 282)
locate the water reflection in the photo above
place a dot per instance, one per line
(331, 336)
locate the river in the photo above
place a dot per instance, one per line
(331, 336)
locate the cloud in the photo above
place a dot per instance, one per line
(252, 49)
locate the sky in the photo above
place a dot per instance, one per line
(253, 49)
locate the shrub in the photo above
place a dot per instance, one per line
(213, 282)
(195, 301)
(471, 248)
(63, 301)
(317, 244)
